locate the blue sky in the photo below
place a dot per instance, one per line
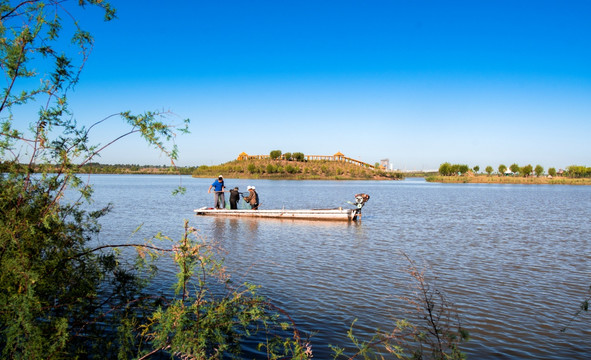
(418, 82)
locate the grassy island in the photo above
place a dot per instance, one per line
(294, 170)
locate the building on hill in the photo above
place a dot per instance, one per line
(340, 157)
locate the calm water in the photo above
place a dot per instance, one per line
(514, 259)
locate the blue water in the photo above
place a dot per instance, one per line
(513, 259)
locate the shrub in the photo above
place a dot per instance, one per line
(291, 169)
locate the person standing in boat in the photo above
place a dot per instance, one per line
(234, 198)
(252, 198)
(219, 199)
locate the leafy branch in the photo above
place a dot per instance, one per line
(584, 307)
(436, 334)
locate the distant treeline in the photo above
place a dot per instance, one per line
(573, 171)
(96, 168)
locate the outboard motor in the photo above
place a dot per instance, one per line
(360, 200)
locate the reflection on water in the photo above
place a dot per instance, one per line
(513, 258)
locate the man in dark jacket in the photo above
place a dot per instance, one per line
(234, 198)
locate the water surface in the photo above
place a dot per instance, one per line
(514, 259)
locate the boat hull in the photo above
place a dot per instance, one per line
(314, 214)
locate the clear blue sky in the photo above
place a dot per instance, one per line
(418, 82)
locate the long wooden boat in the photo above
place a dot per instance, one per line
(313, 214)
(338, 214)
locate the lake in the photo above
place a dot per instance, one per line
(514, 259)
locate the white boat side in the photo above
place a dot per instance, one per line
(312, 214)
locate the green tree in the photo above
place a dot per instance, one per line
(552, 172)
(514, 168)
(49, 277)
(275, 154)
(578, 171)
(526, 170)
(476, 169)
(489, 170)
(445, 169)
(539, 170)
(463, 169)
(298, 156)
(502, 169)
(287, 156)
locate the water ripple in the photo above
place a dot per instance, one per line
(513, 259)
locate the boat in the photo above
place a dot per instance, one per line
(338, 214)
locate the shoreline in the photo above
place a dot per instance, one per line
(296, 177)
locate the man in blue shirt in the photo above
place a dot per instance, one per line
(218, 193)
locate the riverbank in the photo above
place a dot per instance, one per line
(531, 180)
(294, 170)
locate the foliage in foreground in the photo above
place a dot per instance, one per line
(206, 322)
(63, 295)
(583, 307)
(435, 331)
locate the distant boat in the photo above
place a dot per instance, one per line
(338, 214)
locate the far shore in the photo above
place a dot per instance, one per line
(494, 179)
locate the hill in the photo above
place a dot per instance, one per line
(294, 170)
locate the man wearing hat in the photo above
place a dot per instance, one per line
(218, 193)
(252, 198)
